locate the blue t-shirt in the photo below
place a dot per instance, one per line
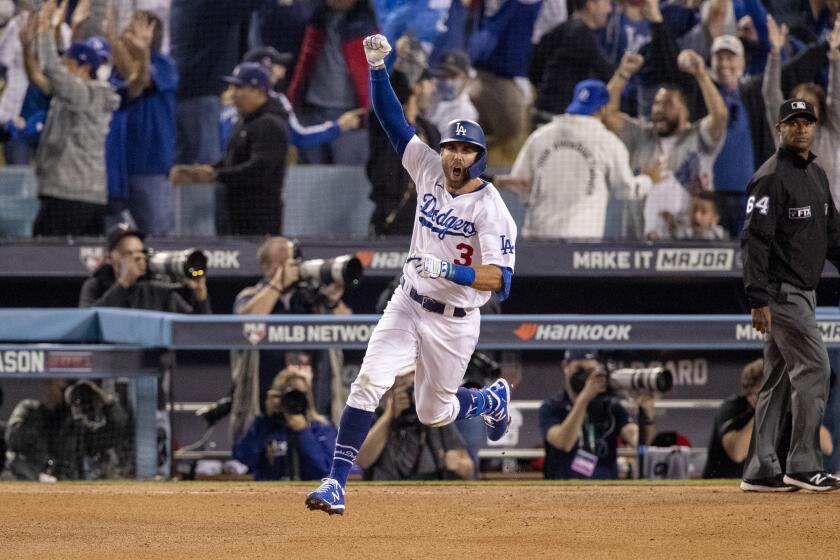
(150, 125)
(734, 164)
(502, 45)
(605, 417)
(115, 166)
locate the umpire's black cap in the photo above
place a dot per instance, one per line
(119, 232)
(795, 108)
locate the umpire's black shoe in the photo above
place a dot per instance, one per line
(777, 483)
(816, 481)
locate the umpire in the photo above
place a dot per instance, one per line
(791, 227)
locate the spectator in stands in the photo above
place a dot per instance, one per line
(71, 174)
(290, 441)
(567, 55)
(281, 25)
(399, 447)
(733, 427)
(72, 435)
(568, 168)
(748, 141)
(424, 20)
(582, 424)
(500, 48)
(451, 100)
(279, 292)
(638, 26)
(702, 221)
(123, 280)
(300, 136)
(206, 39)
(392, 190)
(148, 107)
(254, 165)
(331, 77)
(827, 137)
(552, 13)
(687, 150)
(16, 151)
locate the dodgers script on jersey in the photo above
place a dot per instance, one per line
(470, 229)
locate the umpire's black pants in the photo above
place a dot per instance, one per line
(796, 374)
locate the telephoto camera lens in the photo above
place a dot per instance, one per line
(345, 269)
(189, 264)
(642, 379)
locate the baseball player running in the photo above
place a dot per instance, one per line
(462, 248)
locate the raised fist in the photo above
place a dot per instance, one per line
(376, 49)
(691, 63)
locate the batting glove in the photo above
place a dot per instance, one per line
(432, 267)
(376, 49)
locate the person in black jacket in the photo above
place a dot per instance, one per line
(254, 164)
(566, 55)
(792, 226)
(393, 191)
(122, 280)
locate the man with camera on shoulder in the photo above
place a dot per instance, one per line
(124, 279)
(288, 286)
(400, 447)
(582, 424)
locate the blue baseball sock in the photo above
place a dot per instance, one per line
(352, 431)
(472, 402)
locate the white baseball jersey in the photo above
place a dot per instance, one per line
(470, 229)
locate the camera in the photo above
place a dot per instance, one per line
(657, 379)
(631, 380)
(86, 406)
(345, 269)
(294, 401)
(178, 266)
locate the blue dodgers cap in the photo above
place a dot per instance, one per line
(101, 46)
(590, 96)
(84, 54)
(250, 74)
(581, 354)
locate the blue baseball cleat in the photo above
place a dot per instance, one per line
(497, 416)
(328, 497)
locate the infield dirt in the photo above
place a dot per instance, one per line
(216, 521)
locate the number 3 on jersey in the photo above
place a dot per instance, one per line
(465, 258)
(763, 204)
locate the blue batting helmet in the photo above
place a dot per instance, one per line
(470, 132)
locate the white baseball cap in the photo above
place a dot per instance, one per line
(729, 43)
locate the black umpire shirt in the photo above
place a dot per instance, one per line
(792, 226)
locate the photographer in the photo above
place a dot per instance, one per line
(124, 281)
(281, 291)
(291, 441)
(733, 427)
(581, 425)
(399, 447)
(74, 434)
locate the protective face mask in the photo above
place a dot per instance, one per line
(449, 89)
(7, 11)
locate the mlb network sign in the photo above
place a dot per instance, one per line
(830, 331)
(255, 333)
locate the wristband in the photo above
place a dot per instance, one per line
(275, 288)
(459, 274)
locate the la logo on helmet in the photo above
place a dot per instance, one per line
(460, 130)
